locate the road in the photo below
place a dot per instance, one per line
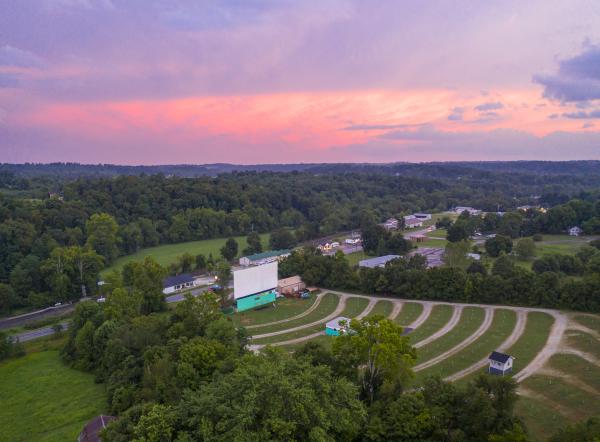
(47, 331)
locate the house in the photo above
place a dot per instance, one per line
(575, 231)
(264, 258)
(419, 238)
(473, 212)
(380, 261)
(422, 216)
(475, 256)
(391, 224)
(411, 223)
(337, 326)
(500, 363)
(255, 286)
(352, 241)
(291, 286)
(91, 431)
(176, 283)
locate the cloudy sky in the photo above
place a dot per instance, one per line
(275, 81)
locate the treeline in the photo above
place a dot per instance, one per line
(112, 217)
(505, 283)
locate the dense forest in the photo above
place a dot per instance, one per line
(58, 232)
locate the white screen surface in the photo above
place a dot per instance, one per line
(254, 280)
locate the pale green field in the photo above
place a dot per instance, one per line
(168, 253)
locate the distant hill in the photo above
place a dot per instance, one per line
(433, 169)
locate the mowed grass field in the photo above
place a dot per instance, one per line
(43, 400)
(284, 308)
(439, 316)
(410, 311)
(382, 308)
(327, 306)
(168, 253)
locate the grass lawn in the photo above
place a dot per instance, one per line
(589, 321)
(354, 258)
(532, 340)
(410, 311)
(469, 322)
(440, 315)
(584, 342)
(326, 307)
(383, 308)
(168, 253)
(284, 308)
(578, 368)
(563, 244)
(575, 404)
(354, 306)
(501, 328)
(43, 400)
(327, 341)
(540, 418)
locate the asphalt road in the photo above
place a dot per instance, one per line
(47, 331)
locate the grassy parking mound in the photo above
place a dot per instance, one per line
(284, 308)
(43, 400)
(410, 311)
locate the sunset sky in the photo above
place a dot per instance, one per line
(286, 81)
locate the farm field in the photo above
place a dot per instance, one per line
(168, 253)
(42, 400)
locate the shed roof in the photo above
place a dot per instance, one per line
(178, 279)
(289, 281)
(499, 357)
(268, 254)
(380, 261)
(335, 323)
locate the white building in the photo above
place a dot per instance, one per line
(177, 283)
(473, 212)
(264, 258)
(411, 223)
(500, 363)
(575, 231)
(391, 224)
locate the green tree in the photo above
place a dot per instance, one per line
(381, 356)
(455, 254)
(156, 425)
(525, 248)
(254, 244)
(7, 298)
(276, 397)
(186, 262)
(497, 245)
(230, 249)
(504, 266)
(121, 305)
(282, 239)
(102, 231)
(459, 231)
(145, 279)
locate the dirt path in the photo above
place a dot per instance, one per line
(257, 347)
(368, 308)
(508, 343)
(552, 345)
(487, 322)
(576, 326)
(456, 313)
(565, 411)
(301, 315)
(338, 310)
(396, 310)
(427, 307)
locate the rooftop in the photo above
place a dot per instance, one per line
(289, 281)
(268, 254)
(177, 279)
(499, 357)
(380, 261)
(335, 323)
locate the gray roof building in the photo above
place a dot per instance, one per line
(380, 261)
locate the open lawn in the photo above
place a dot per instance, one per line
(326, 307)
(43, 400)
(501, 328)
(168, 253)
(584, 342)
(540, 418)
(470, 320)
(410, 311)
(589, 321)
(284, 308)
(563, 244)
(354, 306)
(440, 315)
(383, 308)
(572, 402)
(532, 340)
(580, 369)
